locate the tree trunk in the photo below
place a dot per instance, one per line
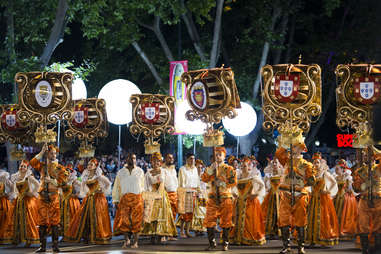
(216, 34)
(56, 35)
(193, 34)
(265, 52)
(278, 52)
(148, 62)
(160, 37)
(290, 40)
(247, 142)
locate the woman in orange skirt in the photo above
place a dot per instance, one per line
(5, 208)
(322, 226)
(69, 202)
(25, 206)
(345, 202)
(92, 221)
(249, 228)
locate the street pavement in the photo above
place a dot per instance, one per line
(195, 245)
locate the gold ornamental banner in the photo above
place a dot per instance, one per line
(152, 115)
(291, 96)
(358, 88)
(212, 95)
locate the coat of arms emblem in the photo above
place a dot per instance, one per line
(367, 89)
(286, 87)
(150, 112)
(43, 93)
(198, 95)
(80, 119)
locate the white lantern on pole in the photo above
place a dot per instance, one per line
(243, 123)
(117, 95)
(78, 89)
(196, 127)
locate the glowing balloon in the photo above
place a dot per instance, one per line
(117, 95)
(243, 123)
(184, 125)
(78, 89)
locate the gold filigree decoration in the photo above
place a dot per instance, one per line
(304, 109)
(86, 150)
(45, 135)
(289, 134)
(213, 137)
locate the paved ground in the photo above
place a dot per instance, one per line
(196, 245)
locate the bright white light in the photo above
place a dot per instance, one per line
(117, 95)
(317, 143)
(264, 141)
(243, 123)
(184, 125)
(78, 89)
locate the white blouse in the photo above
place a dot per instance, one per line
(126, 182)
(188, 177)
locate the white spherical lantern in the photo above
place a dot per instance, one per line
(78, 89)
(243, 123)
(182, 124)
(117, 95)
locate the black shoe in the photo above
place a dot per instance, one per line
(286, 240)
(212, 240)
(42, 234)
(55, 232)
(364, 243)
(301, 236)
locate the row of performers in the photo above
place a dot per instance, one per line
(148, 204)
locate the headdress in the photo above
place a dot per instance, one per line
(317, 155)
(198, 161)
(220, 149)
(156, 156)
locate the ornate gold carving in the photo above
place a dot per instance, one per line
(304, 108)
(44, 97)
(45, 135)
(91, 121)
(217, 88)
(349, 111)
(153, 126)
(213, 137)
(289, 134)
(86, 150)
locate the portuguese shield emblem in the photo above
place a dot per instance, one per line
(367, 89)
(286, 87)
(43, 93)
(150, 112)
(199, 95)
(9, 120)
(80, 119)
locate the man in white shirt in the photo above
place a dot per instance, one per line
(171, 184)
(127, 195)
(189, 181)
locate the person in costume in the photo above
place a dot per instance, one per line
(189, 187)
(53, 177)
(127, 195)
(293, 213)
(69, 200)
(270, 205)
(345, 202)
(158, 218)
(235, 163)
(369, 206)
(92, 221)
(322, 226)
(5, 208)
(222, 178)
(249, 228)
(171, 185)
(200, 204)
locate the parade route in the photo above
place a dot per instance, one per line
(195, 245)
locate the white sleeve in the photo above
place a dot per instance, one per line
(105, 185)
(116, 190)
(258, 187)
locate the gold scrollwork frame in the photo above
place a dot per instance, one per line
(165, 123)
(349, 112)
(225, 106)
(97, 121)
(302, 112)
(58, 109)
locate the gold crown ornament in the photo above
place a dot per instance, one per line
(213, 137)
(43, 135)
(289, 135)
(86, 150)
(362, 138)
(17, 154)
(151, 146)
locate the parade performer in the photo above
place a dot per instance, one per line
(53, 177)
(295, 215)
(69, 200)
(200, 204)
(5, 208)
(92, 221)
(345, 202)
(270, 205)
(127, 195)
(249, 226)
(171, 184)
(369, 207)
(158, 217)
(222, 178)
(322, 227)
(189, 187)
(25, 207)
(234, 162)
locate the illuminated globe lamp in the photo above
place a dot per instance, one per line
(243, 123)
(78, 89)
(117, 95)
(183, 125)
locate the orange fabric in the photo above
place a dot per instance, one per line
(5, 220)
(173, 201)
(224, 173)
(129, 215)
(25, 220)
(224, 211)
(270, 207)
(56, 171)
(369, 219)
(49, 212)
(69, 206)
(187, 217)
(347, 212)
(295, 216)
(92, 221)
